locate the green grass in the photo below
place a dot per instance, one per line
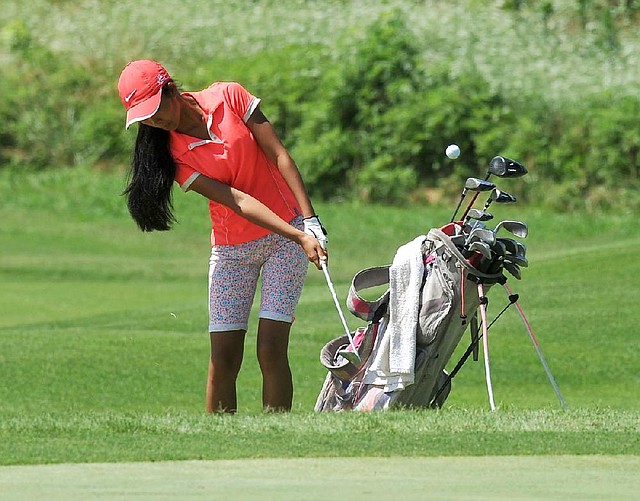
(103, 343)
(100, 436)
(485, 478)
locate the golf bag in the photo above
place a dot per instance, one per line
(437, 285)
(413, 328)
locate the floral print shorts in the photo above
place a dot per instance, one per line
(234, 271)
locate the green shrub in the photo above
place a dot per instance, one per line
(388, 119)
(55, 113)
(362, 101)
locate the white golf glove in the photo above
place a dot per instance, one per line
(313, 227)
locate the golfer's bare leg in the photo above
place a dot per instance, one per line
(227, 349)
(277, 382)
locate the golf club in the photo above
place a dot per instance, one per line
(518, 259)
(498, 248)
(473, 184)
(505, 167)
(499, 252)
(482, 248)
(517, 228)
(478, 216)
(510, 245)
(502, 167)
(499, 197)
(481, 234)
(513, 269)
(351, 356)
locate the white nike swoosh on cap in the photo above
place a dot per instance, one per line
(128, 98)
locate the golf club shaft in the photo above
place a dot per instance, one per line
(325, 270)
(458, 206)
(536, 345)
(470, 205)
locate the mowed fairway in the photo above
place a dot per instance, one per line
(103, 352)
(499, 477)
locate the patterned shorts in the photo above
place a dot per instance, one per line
(233, 277)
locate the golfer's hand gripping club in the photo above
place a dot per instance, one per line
(313, 227)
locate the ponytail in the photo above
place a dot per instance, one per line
(148, 194)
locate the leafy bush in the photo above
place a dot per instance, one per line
(590, 145)
(56, 113)
(366, 107)
(387, 119)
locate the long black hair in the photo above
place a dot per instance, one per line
(150, 181)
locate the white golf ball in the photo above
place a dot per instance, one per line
(453, 151)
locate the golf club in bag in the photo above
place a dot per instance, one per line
(437, 288)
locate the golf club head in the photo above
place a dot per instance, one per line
(517, 228)
(482, 235)
(513, 269)
(469, 226)
(472, 184)
(350, 356)
(477, 184)
(498, 248)
(522, 249)
(510, 244)
(505, 167)
(481, 248)
(479, 215)
(518, 259)
(502, 197)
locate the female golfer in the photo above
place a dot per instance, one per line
(218, 143)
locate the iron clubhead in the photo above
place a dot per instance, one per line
(481, 248)
(513, 269)
(517, 228)
(482, 235)
(510, 244)
(518, 259)
(498, 248)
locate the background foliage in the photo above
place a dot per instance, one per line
(366, 94)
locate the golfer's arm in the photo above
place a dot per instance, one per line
(246, 206)
(274, 149)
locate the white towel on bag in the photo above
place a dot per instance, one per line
(394, 360)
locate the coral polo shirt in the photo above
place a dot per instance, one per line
(233, 157)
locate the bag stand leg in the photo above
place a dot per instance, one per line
(471, 349)
(536, 345)
(485, 344)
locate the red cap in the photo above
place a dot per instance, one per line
(140, 88)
